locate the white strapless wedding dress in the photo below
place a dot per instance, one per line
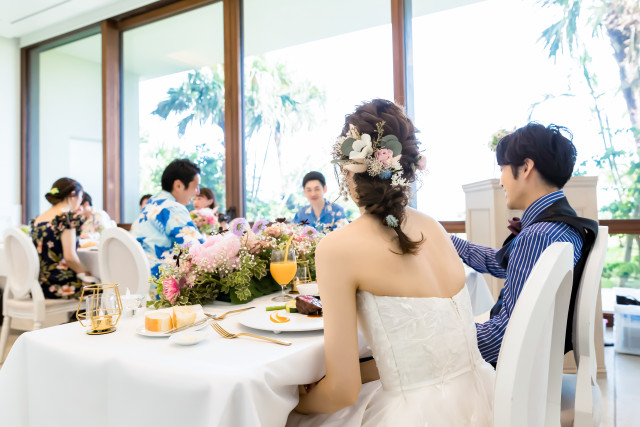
(431, 371)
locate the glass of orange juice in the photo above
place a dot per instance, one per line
(283, 269)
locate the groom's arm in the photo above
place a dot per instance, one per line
(480, 258)
(525, 254)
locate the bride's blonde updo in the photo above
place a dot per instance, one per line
(384, 194)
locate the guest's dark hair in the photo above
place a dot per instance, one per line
(86, 198)
(314, 176)
(209, 195)
(63, 188)
(377, 195)
(143, 198)
(183, 169)
(553, 154)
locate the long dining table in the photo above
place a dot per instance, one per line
(61, 376)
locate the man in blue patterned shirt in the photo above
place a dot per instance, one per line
(319, 213)
(165, 220)
(536, 162)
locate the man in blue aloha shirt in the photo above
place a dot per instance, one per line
(165, 220)
(320, 213)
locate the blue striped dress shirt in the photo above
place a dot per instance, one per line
(527, 246)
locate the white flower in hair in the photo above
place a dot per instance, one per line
(361, 148)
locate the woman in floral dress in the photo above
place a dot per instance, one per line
(54, 233)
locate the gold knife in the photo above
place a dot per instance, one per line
(182, 328)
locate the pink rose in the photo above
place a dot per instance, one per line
(384, 156)
(170, 289)
(422, 163)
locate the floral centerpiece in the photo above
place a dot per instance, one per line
(232, 265)
(205, 219)
(497, 136)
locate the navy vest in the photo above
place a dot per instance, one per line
(559, 211)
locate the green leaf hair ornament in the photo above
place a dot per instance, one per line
(54, 190)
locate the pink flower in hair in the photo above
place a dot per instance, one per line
(422, 162)
(384, 156)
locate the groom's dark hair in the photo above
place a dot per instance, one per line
(553, 154)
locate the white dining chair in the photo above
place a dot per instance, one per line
(529, 370)
(23, 271)
(581, 396)
(122, 260)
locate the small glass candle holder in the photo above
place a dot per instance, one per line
(302, 275)
(103, 308)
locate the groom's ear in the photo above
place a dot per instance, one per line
(527, 168)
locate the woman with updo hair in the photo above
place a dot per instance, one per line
(394, 274)
(55, 234)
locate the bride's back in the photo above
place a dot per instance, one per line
(374, 260)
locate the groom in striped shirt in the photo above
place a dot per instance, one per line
(536, 162)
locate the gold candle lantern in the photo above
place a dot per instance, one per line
(103, 308)
(302, 275)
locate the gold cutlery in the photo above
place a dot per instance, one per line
(224, 334)
(182, 328)
(222, 316)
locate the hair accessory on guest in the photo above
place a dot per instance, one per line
(54, 190)
(391, 221)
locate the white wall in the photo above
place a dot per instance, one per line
(9, 132)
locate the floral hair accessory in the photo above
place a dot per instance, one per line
(380, 157)
(54, 190)
(391, 221)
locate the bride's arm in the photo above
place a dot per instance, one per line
(341, 385)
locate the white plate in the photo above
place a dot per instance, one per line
(190, 337)
(261, 319)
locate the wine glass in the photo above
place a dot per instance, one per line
(283, 271)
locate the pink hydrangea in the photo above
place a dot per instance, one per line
(384, 156)
(170, 289)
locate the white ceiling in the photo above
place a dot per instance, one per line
(36, 20)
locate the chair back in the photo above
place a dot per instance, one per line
(583, 328)
(123, 261)
(23, 265)
(529, 370)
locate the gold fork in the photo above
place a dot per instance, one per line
(222, 316)
(224, 334)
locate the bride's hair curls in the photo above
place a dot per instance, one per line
(381, 195)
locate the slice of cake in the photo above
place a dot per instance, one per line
(183, 316)
(158, 321)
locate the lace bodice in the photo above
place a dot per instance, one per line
(419, 341)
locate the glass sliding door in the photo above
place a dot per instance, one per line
(173, 102)
(65, 118)
(301, 77)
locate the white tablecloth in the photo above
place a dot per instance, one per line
(61, 376)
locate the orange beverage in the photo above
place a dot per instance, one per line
(283, 272)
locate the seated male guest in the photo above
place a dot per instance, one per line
(165, 220)
(536, 162)
(319, 213)
(95, 220)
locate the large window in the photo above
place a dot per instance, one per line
(66, 118)
(301, 77)
(173, 102)
(484, 66)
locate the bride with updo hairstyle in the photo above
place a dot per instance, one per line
(393, 274)
(55, 234)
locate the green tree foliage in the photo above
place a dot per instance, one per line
(275, 105)
(619, 22)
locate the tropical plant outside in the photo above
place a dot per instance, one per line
(618, 22)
